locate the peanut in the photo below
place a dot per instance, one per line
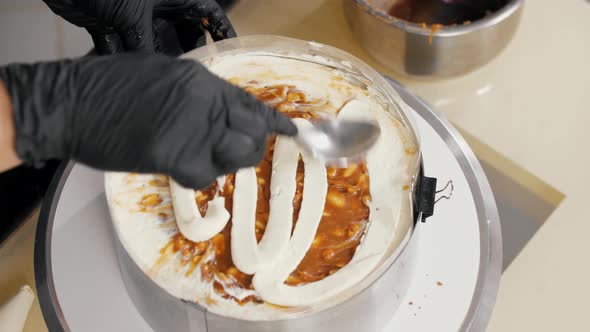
(201, 247)
(260, 225)
(339, 232)
(363, 181)
(294, 97)
(332, 171)
(200, 196)
(336, 199)
(353, 230)
(286, 107)
(158, 182)
(196, 259)
(350, 170)
(230, 189)
(151, 200)
(317, 241)
(223, 277)
(366, 200)
(292, 280)
(328, 254)
(180, 243)
(219, 243)
(233, 271)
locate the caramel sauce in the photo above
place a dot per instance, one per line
(433, 15)
(339, 233)
(447, 12)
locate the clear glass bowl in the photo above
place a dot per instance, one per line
(372, 302)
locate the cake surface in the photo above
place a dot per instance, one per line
(278, 239)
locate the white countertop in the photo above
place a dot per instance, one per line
(526, 113)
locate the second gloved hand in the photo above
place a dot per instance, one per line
(139, 113)
(130, 25)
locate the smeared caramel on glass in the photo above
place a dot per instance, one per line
(341, 227)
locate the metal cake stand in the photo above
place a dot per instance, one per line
(457, 270)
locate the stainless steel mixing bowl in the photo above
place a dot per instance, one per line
(411, 49)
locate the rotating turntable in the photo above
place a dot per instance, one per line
(455, 258)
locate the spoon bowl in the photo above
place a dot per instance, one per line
(339, 142)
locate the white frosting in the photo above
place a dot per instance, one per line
(287, 251)
(188, 218)
(271, 261)
(385, 186)
(250, 257)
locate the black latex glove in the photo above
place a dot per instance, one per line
(128, 25)
(140, 113)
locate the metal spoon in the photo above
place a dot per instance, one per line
(339, 142)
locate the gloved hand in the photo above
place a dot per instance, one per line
(140, 113)
(128, 25)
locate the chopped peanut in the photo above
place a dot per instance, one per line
(332, 171)
(260, 225)
(200, 196)
(230, 190)
(363, 181)
(336, 199)
(350, 170)
(294, 97)
(286, 107)
(218, 243)
(180, 243)
(150, 200)
(196, 259)
(366, 200)
(201, 247)
(233, 271)
(328, 254)
(317, 241)
(339, 232)
(159, 182)
(353, 230)
(223, 277)
(292, 280)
